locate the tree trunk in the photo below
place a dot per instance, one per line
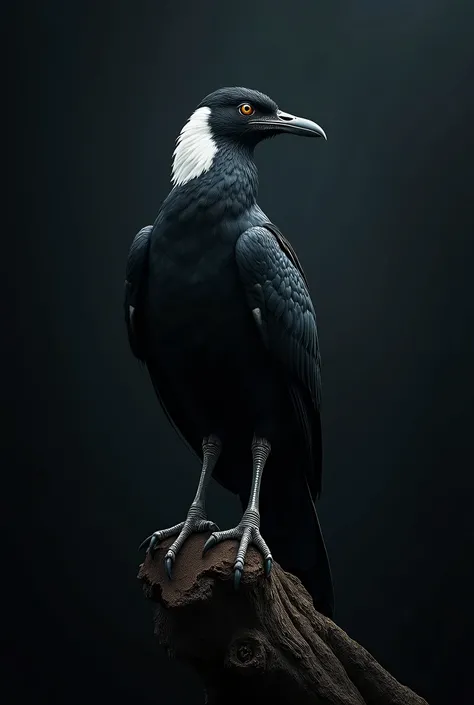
(262, 643)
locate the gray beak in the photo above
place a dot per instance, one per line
(285, 122)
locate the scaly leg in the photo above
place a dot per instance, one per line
(248, 530)
(196, 520)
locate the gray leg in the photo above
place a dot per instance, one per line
(248, 530)
(196, 520)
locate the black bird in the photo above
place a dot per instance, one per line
(218, 308)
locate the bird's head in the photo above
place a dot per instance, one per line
(248, 116)
(232, 116)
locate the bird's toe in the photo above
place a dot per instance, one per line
(158, 536)
(260, 544)
(219, 536)
(247, 534)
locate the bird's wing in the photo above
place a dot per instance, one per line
(135, 283)
(135, 277)
(287, 248)
(277, 292)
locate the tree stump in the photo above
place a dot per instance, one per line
(262, 643)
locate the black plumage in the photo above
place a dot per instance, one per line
(218, 308)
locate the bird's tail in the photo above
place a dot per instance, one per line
(290, 526)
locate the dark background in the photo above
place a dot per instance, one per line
(382, 217)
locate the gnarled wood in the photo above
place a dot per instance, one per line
(264, 642)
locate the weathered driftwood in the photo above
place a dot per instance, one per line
(263, 643)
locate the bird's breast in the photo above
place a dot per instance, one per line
(194, 289)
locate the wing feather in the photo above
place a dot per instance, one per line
(135, 282)
(274, 281)
(134, 304)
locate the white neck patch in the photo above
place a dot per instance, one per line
(195, 148)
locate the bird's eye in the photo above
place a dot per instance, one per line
(246, 109)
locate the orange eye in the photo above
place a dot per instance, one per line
(246, 109)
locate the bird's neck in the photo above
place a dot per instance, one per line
(226, 190)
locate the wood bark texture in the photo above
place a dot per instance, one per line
(264, 642)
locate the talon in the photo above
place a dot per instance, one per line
(268, 566)
(210, 543)
(169, 561)
(153, 543)
(237, 577)
(144, 543)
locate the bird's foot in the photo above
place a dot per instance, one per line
(196, 522)
(248, 532)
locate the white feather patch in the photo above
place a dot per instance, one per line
(195, 148)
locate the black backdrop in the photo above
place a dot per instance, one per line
(382, 217)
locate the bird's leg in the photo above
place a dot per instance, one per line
(248, 530)
(196, 520)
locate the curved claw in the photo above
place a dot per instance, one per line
(158, 536)
(210, 543)
(268, 566)
(169, 562)
(237, 577)
(153, 543)
(144, 543)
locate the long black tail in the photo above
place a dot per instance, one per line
(290, 526)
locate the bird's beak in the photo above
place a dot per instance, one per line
(285, 122)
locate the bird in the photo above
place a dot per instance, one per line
(218, 308)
